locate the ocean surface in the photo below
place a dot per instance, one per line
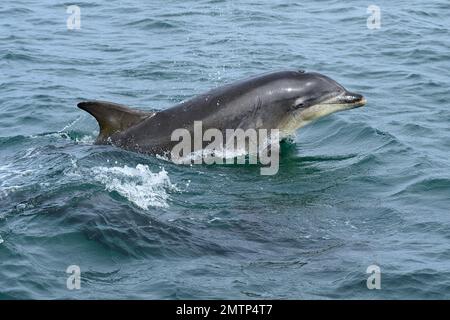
(369, 186)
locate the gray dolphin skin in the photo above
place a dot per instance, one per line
(284, 100)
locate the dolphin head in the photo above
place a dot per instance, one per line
(306, 96)
(317, 95)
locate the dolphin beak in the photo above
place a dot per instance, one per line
(353, 100)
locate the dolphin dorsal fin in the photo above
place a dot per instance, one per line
(112, 117)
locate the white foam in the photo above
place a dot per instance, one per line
(139, 185)
(87, 139)
(1, 240)
(219, 154)
(12, 180)
(70, 124)
(222, 153)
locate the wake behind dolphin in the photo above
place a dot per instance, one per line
(284, 100)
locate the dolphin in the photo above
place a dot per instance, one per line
(283, 100)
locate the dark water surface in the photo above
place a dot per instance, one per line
(363, 187)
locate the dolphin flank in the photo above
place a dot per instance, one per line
(283, 100)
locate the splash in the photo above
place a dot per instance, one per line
(139, 185)
(63, 130)
(11, 179)
(78, 137)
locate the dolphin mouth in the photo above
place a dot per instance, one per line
(348, 100)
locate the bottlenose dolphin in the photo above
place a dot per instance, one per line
(284, 100)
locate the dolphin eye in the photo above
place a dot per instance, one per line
(298, 106)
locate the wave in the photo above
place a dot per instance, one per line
(427, 185)
(148, 23)
(16, 11)
(14, 56)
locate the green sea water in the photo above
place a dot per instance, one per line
(370, 186)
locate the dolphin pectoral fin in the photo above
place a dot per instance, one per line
(112, 117)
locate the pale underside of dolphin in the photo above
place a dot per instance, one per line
(284, 100)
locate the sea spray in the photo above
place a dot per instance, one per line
(139, 185)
